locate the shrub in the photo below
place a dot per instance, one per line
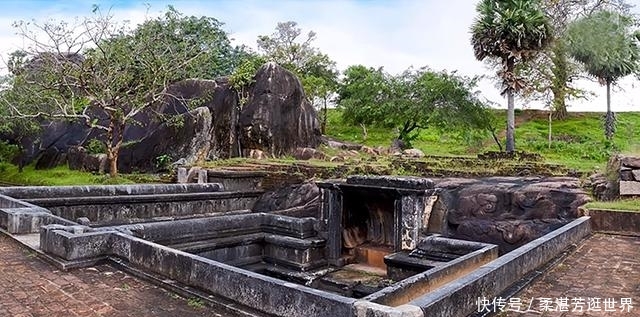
(96, 146)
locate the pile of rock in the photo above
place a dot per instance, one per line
(629, 171)
(622, 178)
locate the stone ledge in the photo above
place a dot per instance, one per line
(458, 298)
(615, 221)
(31, 192)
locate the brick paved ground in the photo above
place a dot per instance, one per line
(603, 266)
(31, 287)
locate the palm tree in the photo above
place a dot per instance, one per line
(607, 54)
(511, 31)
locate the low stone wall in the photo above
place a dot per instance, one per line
(123, 204)
(267, 294)
(113, 210)
(615, 221)
(242, 239)
(32, 192)
(459, 298)
(410, 288)
(237, 180)
(19, 217)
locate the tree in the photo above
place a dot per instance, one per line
(609, 54)
(512, 32)
(411, 101)
(104, 73)
(554, 70)
(317, 72)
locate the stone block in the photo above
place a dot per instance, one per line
(629, 188)
(202, 176)
(627, 175)
(636, 175)
(182, 176)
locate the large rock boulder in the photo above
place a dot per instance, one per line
(221, 100)
(190, 141)
(506, 211)
(277, 118)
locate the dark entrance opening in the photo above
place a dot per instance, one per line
(368, 227)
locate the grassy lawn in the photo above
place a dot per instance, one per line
(577, 142)
(62, 175)
(630, 204)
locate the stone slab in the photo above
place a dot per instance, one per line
(629, 188)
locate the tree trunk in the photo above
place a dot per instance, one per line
(113, 164)
(510, 144)
(559, 82)
(115, 136)
(323, 126)
(609, 120)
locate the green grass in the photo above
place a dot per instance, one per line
(577, 142)
(630, 204)
(195, 303)
(62, 175)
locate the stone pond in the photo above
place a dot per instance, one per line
(360, 246)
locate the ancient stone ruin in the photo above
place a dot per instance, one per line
(362, 246)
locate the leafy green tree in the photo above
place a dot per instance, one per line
(413, 100)
(551, 74)
(104, 73)
(511, 32)
(317, 72)
(606, 43)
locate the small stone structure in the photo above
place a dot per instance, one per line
(629, 176)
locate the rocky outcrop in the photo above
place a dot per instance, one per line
(300, 200)
(306, 153)
(277, 118)
(190, 140)
(221, 100)
(79, 159)
(506, 211)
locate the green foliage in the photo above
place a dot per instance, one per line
(413, 100)
(162, 162)
(96, 146)
(61, 175)
(511, 32)
(8, 151)
(608, 54)
(576, 142)
(195, 303)
(611, 52)
(243, 76)
(509, 29)
(317, 72)
(114, 71)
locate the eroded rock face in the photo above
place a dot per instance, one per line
(507, 211)
(299, 200)
(191, 141)
(277, 118)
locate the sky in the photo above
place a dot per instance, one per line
(395, 34)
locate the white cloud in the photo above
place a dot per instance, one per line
(393, 34)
